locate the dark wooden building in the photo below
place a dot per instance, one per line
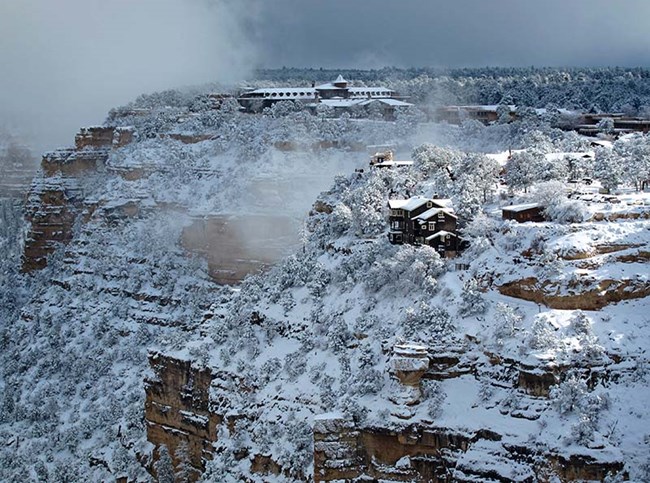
(424, 221)
(523, 213)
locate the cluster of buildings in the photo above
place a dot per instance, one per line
(611, 123)
(338, 95)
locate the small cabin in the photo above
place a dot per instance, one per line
(385, 160)
(381, 157)
(524, 212)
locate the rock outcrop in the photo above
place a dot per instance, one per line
(177, 410)
(185, 406)
(591, 295)
(56, 200)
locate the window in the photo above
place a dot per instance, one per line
(441, 216)
(432, 226)
(398, 237)
(429, 204)
(396, 212)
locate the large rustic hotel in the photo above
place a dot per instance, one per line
(337, 94)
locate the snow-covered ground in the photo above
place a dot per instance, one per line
(328, 317)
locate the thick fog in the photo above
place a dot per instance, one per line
(65, 63)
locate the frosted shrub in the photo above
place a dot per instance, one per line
(472, 299)
(350, 407)
(572, 396)
(163, 467)
(486, 391)
(295, 364)
(522, 169)
(366, 203)
(338, 335)
(583, 431)
(287, 301)
(550, 265)
(542, 335)
(568, 211)
(365, 322)
(293, 272)
(361, 265)
(423, 320)
(480, 234)
(367, 380)
(431, 159)
(299, 453)
(269, 370)
(319, 280)
(579, 323)
(316, 371)
(507, 322)
(590, 350)
(568, 395)
(409, 268)
(434, 397)
(340, 220)
(327, 395)
(608, 168)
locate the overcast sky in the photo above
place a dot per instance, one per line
(455, 33)
(65, 63)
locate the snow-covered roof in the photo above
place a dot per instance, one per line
(370, 90)
(433, 212)
(340, 102)
(417, 201)
(443, 202)
(388, 164)
(440, 233)
(408, 205)
(387, 101)
(279, 92)
(522, 207)
(486, 107)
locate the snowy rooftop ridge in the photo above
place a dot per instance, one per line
(521, 207)
(441, 233)
(416, 201)
(434, 211)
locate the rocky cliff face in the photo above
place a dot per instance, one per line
(57, 199)
(177, 410)
(182, 409)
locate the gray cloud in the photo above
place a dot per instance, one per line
(65, 63)
(455, 33)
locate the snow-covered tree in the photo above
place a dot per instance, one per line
(608, 168)
(522, 169)
(472, 299)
